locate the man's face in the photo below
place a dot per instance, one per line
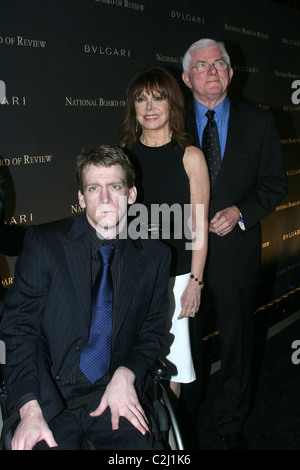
(105, 198)
(209, 86)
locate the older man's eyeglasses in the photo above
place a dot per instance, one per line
(202, 66)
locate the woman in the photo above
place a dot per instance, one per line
(170, 171)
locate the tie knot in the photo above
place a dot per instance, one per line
(210, 114)
(106, 253)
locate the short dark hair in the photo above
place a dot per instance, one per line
(104, 155)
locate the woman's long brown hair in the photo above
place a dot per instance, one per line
(155, 79)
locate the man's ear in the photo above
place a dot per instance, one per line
(230, 73)
(132, 195)
(81, 199)
(186, 79)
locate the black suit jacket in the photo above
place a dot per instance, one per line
(11, 237)
(2, 199)
(252, 177)
(49, 306)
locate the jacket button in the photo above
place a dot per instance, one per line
(78, 348)
(58, 377)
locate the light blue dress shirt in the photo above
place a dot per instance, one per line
(221, 117)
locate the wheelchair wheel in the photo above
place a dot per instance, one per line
(174, 436)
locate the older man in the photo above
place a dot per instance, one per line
(248, 180)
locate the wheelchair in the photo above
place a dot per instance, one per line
(163, 412)
(5, 438)
(163, 409)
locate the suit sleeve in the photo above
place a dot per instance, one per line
(2, 199)
(271, 185)
(150, 340)
(21, 323)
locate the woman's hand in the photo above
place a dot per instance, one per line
(190, 300)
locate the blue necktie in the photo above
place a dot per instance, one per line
(95, 357)
(211, 146)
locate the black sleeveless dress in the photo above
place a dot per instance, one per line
(162, 179)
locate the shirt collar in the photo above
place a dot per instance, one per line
(96, 242)
(221, 110)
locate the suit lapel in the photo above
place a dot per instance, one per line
(77, 252)
(133, 264)
(235, 135)
(77, 247)
(236, 131)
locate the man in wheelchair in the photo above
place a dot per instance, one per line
(66, 388)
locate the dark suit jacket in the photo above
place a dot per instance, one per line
(252, 177)
(2, 199)
(11, 238)
(48, 309)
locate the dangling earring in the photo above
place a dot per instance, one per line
(136, 125)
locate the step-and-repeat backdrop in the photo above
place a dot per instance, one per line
(65, 66)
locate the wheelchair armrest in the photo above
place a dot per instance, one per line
(158, 371)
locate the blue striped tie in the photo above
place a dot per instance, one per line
(95, 357)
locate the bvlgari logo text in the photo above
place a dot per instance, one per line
(106, 50)
(294, 172)
(14, 101)
(7, 282)
(290, 42)
(187, 17)
(292, 234)
(245, 68)
(23, 42)
(290, 107)
(20, 219)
